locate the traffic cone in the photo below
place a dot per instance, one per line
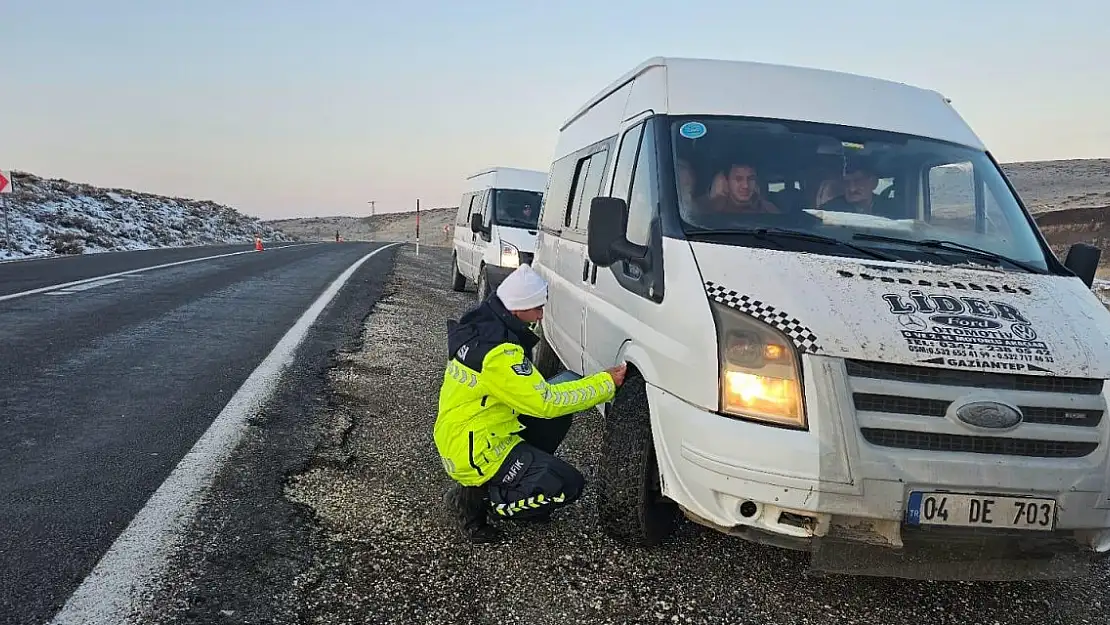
(258, 244)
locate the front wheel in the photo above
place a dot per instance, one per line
(458, 281)
(630, 502)
(483, 284)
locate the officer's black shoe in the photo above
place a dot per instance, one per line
(470, 506)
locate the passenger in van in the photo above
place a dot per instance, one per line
(858, 196)
(741, 195)
(500, 422)
(527, 213)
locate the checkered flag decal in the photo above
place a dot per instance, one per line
(799, 334)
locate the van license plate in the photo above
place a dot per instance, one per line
(960, 510)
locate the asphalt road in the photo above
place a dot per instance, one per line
(107, 386)
(26, 275)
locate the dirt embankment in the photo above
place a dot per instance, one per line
(383, 227)
(1064, 228)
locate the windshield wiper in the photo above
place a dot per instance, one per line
(951, 246)
(768, 233)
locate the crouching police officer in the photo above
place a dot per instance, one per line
(500, 421)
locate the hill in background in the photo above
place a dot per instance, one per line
(1056, 185)
(53, 216)
(381, 227)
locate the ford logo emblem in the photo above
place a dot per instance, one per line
(989, 414)
(963, 321)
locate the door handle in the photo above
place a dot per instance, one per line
(586, 270)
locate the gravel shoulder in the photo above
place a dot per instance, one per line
(353, 529)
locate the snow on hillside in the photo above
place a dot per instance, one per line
(51, 216)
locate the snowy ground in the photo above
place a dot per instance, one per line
(47, 217)
(1102, 290)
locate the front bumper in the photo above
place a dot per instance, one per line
(830, 492)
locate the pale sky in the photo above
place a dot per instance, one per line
(293, 108)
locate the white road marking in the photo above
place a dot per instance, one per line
(86, 286)
(124, 574)
(65, 285)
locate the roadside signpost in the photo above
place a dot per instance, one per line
(6, 188)
(418, 226)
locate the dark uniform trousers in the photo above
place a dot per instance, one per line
(532, 482)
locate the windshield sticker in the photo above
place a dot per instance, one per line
(968, 332)
(692, 130)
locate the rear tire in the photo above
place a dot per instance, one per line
(483, 284)
(631, 507)
(458, 281)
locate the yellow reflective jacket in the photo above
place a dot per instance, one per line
(488, 382)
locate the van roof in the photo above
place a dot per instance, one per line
(693, 86)
(508, 178)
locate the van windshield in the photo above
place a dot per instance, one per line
(517, 208)
(847, 191)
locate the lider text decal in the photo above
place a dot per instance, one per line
(968, 332)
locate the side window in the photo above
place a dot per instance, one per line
(479, 204)
(578, 189)
(556, 198)
(487, 206)
(469, 209)
(592, 188)
(884, 187)
(641, 199)
(626, 160)
(952, 201)
(464, 210)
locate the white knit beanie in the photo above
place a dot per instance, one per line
(523, 289)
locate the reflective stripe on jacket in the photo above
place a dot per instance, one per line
(489, 381)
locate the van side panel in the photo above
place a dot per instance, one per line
(649, 93)
(672, 343)
(599, 122)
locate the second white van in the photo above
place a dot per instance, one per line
(495, 227)
(845, 334)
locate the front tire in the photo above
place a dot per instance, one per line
(458, 281)
(631, 506)
(483, 284)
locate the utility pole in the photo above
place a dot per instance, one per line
(6, 188)
(371, 203)
(418, 226)
(7, 227)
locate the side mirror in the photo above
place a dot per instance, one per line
(476, 223)
(605, 235)
(1082, 260)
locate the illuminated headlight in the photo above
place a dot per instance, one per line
(510, 255)
(760, 371)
